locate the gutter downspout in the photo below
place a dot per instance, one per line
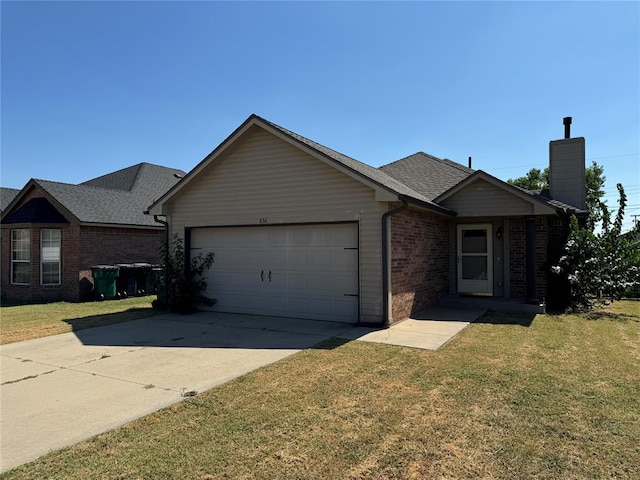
(166, 252)
(385, 260)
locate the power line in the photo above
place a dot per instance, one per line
(614, 156)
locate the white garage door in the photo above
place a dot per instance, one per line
(301, 271)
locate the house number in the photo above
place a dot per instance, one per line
(263, 220)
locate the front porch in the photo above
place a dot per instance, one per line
(498, 304)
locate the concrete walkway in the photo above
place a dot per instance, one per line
(59, 390)
(428, 330)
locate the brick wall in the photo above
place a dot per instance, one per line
(108, 246)
(517, 256)
(419, 262)
(542, 242)
(35, 292)
(82, 248)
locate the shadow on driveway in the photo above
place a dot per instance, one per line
(216, 330)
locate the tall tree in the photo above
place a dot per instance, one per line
(537, 179)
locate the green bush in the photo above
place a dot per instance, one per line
(184, 288)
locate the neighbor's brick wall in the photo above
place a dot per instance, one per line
(82, 248)
(108, 246)
(35, 292)
(419, 262)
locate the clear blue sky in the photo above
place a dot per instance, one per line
(91, 87)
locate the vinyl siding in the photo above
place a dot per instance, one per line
(481, 199)
(263, 179)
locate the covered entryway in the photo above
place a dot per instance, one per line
(475, 259)
(301, 271)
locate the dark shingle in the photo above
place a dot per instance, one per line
(6, 197)
(430, 176)
(130, 192)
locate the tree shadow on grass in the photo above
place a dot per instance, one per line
(507, 318)
(614, 317)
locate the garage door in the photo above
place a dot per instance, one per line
(301, 271)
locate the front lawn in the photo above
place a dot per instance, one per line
(25, 322)
(558, 399)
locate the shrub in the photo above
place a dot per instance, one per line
(184, 288)
(600, 266)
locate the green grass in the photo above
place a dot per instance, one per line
(559, 399)
(25, 322)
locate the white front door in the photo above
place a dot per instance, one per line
(300, 271)
(475, 259)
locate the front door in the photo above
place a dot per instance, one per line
(475, 260)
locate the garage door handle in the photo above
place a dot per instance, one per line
(269, 276)
(262, 275)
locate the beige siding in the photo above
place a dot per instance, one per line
(266, 180)
(482, 199)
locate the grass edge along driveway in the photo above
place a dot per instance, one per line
(26, 322)
(557, 399)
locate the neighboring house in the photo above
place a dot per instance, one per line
(6, 197)
(300, 230)
(53, 233)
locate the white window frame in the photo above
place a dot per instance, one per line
(45, 257)
(14, 260)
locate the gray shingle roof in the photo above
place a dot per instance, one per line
(118, 198)
(6, 197)
(545, 197)
(429, 175)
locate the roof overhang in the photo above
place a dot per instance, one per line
(382, 192)
(31, 184)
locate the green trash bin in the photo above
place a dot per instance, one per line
(104, 281)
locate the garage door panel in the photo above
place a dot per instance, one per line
(348, 259)
(231, 258)
(225, 281)
(314, 270)
(298, 258)
(276, 259)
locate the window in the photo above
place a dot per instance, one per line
(50, 256)
(20, 253)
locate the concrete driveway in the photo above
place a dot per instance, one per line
(62, 389)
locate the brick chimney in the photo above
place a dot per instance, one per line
(567, 168)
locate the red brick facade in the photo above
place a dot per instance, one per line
(517, 256)
(81, 248)
(419, 262)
